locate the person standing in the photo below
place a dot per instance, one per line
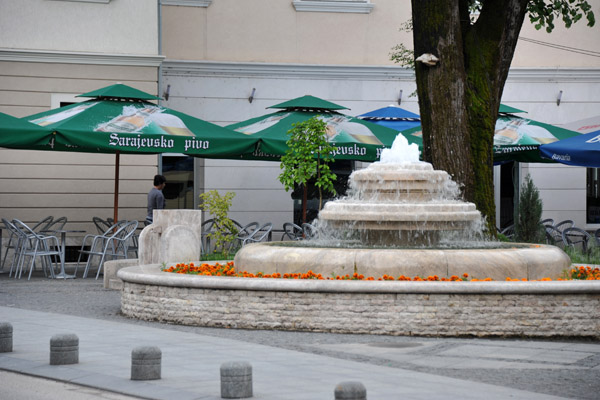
(156, 199)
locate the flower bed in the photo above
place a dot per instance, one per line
(228, 269)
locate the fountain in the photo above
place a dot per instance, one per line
(409, 217)
(402, 217)
(400, 201)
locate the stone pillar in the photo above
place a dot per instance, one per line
(173, 237)
(145, 363)
(236, 380)
(350, 391)
(6, 337)
(64, 349)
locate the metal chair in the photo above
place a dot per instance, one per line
(111, 244)
(207, 228)
(101, 224)
(243, 233)
(259, 234)
(562, 225)
(38, 245)
(554, 237)
(509, 231)
(40, 226)
(577, 238)
(16, 242)
(292, 231)
(309, 230)
(55, 225)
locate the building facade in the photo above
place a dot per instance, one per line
(226, 61)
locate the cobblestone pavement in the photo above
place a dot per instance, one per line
(565, 368)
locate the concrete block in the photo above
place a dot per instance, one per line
(145, 363)
(110, 272)
(236, 380)
(350, 391)
(64, 349)
(6, 337)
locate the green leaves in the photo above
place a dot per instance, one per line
(308, 156)
(529, 213)
(218, 206)
(542, 13)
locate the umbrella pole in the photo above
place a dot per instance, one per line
(116, 199)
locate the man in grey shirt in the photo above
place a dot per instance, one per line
(156, 199)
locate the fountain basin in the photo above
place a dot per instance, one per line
(519, 262)
(482, 309)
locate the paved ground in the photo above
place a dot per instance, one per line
(286, 365)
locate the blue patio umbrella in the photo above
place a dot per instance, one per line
(582, 150)
(392, 117)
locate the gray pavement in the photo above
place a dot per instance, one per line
(286, 365)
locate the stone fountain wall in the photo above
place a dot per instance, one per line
(174, 236)
(481, 309)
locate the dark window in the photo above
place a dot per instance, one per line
(179, 192)
(593, 196)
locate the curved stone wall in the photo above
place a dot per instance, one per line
(483, 309)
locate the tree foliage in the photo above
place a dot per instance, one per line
(225, 230)
(459, 96)
(308, 156)
(529, 214)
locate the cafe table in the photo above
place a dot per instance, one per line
(63, 237)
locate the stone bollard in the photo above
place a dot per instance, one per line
(236, 380)
(6, 337)
(145, 363)
(350, 391)
(64, 349)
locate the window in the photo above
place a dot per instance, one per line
(337, 6)
(593, 196)
(188, 3)
(179, 192)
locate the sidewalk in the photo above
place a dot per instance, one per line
(191, 362)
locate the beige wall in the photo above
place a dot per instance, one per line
(34, 184)
(121, 26)
(51, 51)
(273, 31)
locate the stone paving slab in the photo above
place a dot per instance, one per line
(190, 364)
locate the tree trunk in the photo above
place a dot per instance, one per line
(459, 97)
(304, 201)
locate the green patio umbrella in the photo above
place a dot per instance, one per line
(504, 109)
(515, 139)
(354, 138)
(519, 139)
(119, 119)
(18, 134)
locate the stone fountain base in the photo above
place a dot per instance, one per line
(452, 309)
(522, 261)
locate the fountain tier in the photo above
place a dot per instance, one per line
(400, 204)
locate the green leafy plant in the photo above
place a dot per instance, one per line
(529, 214)
(307, 157)
(225, 230)
(578, 257)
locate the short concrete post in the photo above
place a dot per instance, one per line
(350, 391)
(236, 380)
(145, 363)
(6, 337)
(64, 349)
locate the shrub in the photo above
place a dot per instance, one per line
(529, 214)
(225, 230)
